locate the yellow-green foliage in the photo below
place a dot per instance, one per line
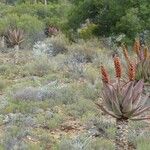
(2, 84)
(88, 31)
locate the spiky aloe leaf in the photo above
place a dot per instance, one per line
(107, 92)
(129, 114)
(110, 99)
(136, 100)
(138, 88)
(116, 104)
(141, 100)
(141, 118)
(107, 101)
(107, 111)
(137, 113)
(127, 101)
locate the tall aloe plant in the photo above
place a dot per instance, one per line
(123, 100)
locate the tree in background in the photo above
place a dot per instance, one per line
(25, 1)
(112, 17)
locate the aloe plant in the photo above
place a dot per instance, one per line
(123, 100)
(51, 31)
(14, 37)
(142, 61)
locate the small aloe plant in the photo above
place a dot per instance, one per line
(14, 37)
(123, 100)
(51, 31)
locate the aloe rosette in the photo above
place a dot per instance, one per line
(123, 100)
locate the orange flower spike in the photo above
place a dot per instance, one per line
(131, 72)
(125, 52)
(118, 68)
(146, 53)
(105, 75)
(136, 47)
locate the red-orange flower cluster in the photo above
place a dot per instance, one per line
(105, 75)
(131, 71)
(125, 52)
(136, 47)
(118, 68)
(146, 53)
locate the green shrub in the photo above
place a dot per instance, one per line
(81, 108)
(52, 14)
(32, 26)
(85, 51)
(8, 21)
(102, 144)
(39, 67)
(4, 69)
(79, 143)
(88, 31)
(2, 84)
(90, 91)
(143, 143)
(60, 43)
(65, 94)
(91, 73)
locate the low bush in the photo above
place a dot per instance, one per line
(32, 26)
(57, 94)
(51, 46)
(85, 51)
(87, 31)
(72, 69)
(90, 91)
(31, 93)
(78, 143)
(14, 138)
(60, 43)
(2, 84)
(80, 109)
(39, 67)
(4, 69)
(91, 73)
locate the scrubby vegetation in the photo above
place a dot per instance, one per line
(51, 55)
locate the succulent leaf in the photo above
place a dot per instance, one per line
(127, 102)
(141, 111)
(107, 111)
(141, 118)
